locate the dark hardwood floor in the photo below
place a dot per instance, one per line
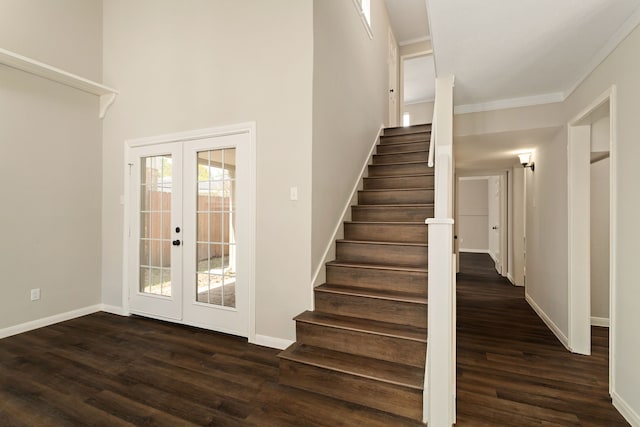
(512, 371)
(106, 370)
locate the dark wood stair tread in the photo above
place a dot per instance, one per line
(409, 175)
(401, 163)
(404, 152)
(372, 242)
(376, 266)
(379, 190)
(385, 222)
(360, 366)
(364, 325)
(389, 295)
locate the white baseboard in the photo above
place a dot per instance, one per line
(627, 412)
(329, 254)
(600, 321)
(272, 342)
(511, 279)
(475, 251)
(113, 309)
(46, 321)
(547, 320)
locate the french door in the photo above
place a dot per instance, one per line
(190, 241)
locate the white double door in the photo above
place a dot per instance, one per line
(189, 241)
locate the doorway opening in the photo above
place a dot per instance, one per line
(482, 224)
(417, 87)
(592, 187)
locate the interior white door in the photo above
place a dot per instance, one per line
(393, 80)
(190, 246)
(155, 254)
(494, 221)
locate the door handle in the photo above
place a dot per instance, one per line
(176, 242)
(495, 227)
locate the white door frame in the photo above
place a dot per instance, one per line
(239, 128)
(578, 164)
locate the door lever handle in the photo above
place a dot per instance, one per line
(176, 242)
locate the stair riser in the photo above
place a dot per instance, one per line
(381, 159)
(413, 137)
(391, 398)
(381, 347)
(402, 148)
(407, 130)
(391, 213)
(368, 253)
(423, 181)
(393, 280)
(406, 233)
(403, 313)
(394, 197)
(401, 169)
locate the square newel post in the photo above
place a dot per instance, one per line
(440, 381)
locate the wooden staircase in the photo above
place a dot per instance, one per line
(365, 343)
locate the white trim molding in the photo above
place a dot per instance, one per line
(475, 251)
(415, 40)
(547, 320)
(503, 104)
(113, 309)
(625, 409)
(47, 321)
(272, 342)
(600, 321)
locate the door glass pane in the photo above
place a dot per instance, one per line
(155, 225)
(216, 261)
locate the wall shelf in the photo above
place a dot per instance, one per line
(107, 95)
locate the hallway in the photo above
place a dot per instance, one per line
(512, 371)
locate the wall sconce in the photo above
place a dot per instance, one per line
(525, 160)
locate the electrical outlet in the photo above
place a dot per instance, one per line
(293, 193)
(35, 294)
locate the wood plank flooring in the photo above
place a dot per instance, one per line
(106, 370)
(512, 371)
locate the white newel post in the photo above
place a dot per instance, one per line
(439, 407)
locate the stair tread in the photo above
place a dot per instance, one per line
(377, 190)
(411, 175)
(403, 152)
(361, 366)
(402, 163)
(376, 327)
(413, 141)
(377, 242)
(390, 295)
(399, 205)
(376, 266)
(386, 222)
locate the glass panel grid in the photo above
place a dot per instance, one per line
(155, 225)
(215, 277)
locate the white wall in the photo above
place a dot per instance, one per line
(622, 68)
(518, 237)
(350, 104)
(473, 211)
(421, 112)
(190, 65)
(546, 231)
(600, 239)
(51, 169)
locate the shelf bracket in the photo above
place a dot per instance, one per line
(105, 102)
